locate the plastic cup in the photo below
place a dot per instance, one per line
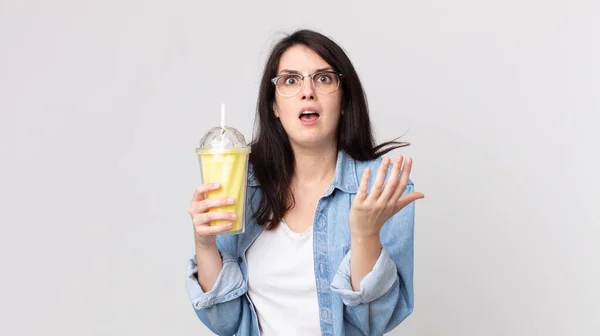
(223, 158)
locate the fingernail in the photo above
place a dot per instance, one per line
(233, 216)
(230, 200)
(228, 225)
(216, 185)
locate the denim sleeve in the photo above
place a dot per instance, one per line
(373, 286)
(385, 297)
(220, 308)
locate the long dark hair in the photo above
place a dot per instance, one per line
(272, 156)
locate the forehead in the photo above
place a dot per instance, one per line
(301, 59)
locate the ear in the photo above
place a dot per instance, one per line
(275, 110)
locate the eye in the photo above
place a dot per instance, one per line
(290, 80)
(324, 78)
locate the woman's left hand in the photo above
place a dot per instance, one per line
(370, 211)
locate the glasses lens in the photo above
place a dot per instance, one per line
(289, 85)
(326, 82)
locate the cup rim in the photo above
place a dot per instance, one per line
(227, 150)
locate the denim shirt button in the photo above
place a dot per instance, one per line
(239, 260)
(325, 314)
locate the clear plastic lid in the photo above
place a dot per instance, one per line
(222, 138)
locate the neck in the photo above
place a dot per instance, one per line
(315, 165)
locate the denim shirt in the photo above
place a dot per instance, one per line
(385, 297)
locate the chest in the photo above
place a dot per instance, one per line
(282, 259)
(328, 217)
(281, 282)
(302, 215)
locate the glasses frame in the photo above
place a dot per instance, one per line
(312, 81)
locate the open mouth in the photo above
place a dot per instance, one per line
(309, 116)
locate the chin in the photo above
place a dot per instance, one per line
(315, 141)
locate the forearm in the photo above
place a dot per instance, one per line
(209, 264)
(363, 256)
(220, 305)
(383, 299)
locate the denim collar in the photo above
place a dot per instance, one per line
(344, 179)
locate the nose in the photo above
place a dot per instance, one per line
(308, 91)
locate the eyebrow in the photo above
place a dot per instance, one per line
(296, 72)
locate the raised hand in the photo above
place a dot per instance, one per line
(371, 210)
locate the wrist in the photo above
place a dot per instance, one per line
(366, 239)
(205, 245)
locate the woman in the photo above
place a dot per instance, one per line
(317, 186)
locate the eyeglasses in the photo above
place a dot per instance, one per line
(325, 82)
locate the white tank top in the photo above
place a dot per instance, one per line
(281, 282)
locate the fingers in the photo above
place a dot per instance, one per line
(364, 185)
(410, 197)
(396, 183)
(393, 180)
(210, 203)
(208, 217)
(201, 204)
(199, 193)
(213, 230)
(202, 222)
(378, 184)
(402, 179)
(406, 171)
(407, 199)
(201, 217)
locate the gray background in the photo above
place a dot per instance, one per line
(103, 102)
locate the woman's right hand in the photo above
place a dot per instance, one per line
(204, 234)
